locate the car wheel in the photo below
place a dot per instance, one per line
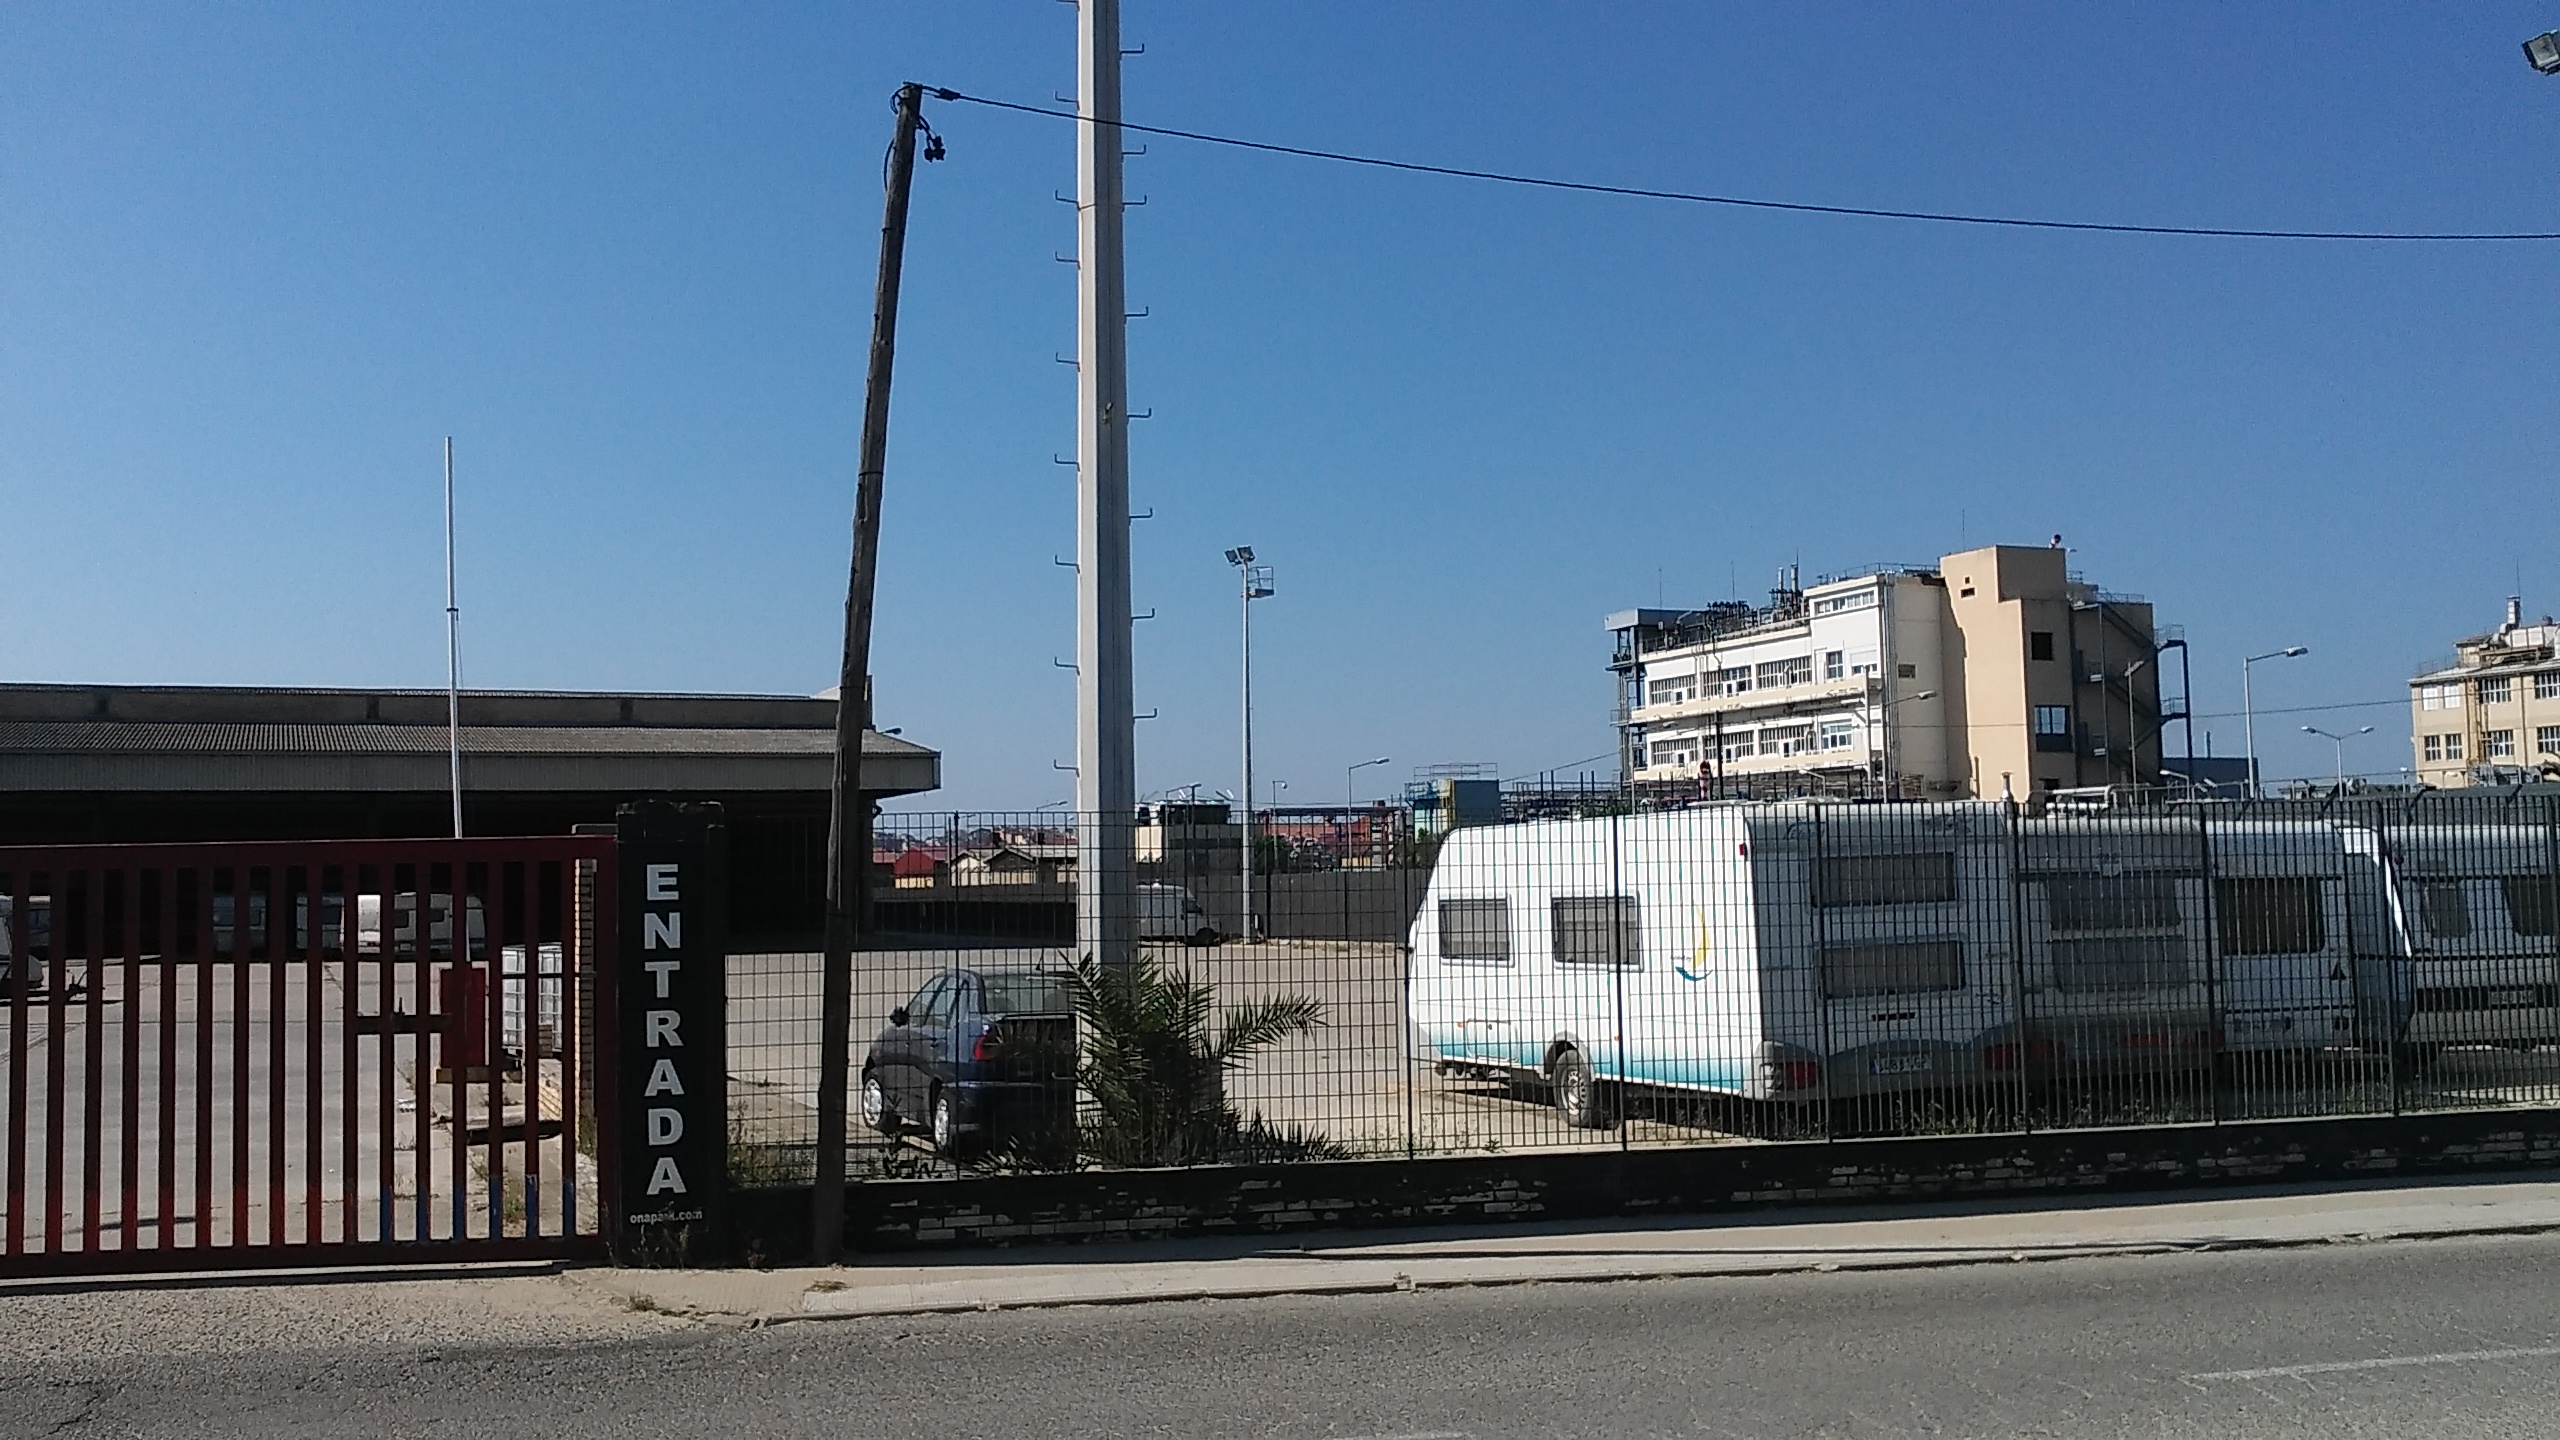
(877, 1112)
(1578, 1097)
(946, 1131)
(1205, 938)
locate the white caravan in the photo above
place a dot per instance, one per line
(1172, 912)
(2132, 953)
(2465, 912)
(1765, 951)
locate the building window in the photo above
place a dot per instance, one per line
(1907, 672)
(2546, 740)
(2269, 915)
(2498, 745)
(2439, 697)
(1778, 674)
(1475, 932)
(2498, 691)
(2432, 746)
(2546, 686)
(2453, 747)
(2039, 644)
(1854, 600)
(1598, 930)
(1843, 734)
(1834, 664)
(1738, 745)
(1671, 691)
(1735, 680)
(2053, 720)
(1786, 740)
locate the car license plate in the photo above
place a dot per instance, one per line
(1898, 1065)
(2511, 999)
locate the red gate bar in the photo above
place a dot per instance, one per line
(137, 939)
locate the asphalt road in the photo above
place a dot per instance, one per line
(2437, 1338)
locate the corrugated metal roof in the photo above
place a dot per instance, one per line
(86, 737)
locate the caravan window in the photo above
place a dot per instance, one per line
(2133, 900)
(1598, 930)
(1475, 932)
(2446, 908)
(1911, 879)
(1891, 968)
(2528, 902)
(2269, 915)
(2121, 962)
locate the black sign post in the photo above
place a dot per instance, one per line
(671, 1062)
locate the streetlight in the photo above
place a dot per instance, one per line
(2341, 742)
(2543, 52)
(1256, 586)
(1884, 756)
(1348, 803)
(2249, 709)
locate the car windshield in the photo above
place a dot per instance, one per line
(1025, 995)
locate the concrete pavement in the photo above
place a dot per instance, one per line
(1987, 1232)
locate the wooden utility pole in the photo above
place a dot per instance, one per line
(849, 829)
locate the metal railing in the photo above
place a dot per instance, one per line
(1715, 974)
(222, 1056)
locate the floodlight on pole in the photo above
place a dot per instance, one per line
(2249, 709)
(1256, 586)
(2543, 52)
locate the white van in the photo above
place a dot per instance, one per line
(404, 925)
(1765, 951)
(1172, 912)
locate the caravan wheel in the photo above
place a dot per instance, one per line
(1578, 1097)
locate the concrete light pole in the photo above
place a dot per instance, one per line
(1349, 805)
(2249, 708)
(1106, 710)
(2341, 742)
(1257, 586)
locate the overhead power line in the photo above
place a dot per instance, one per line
(1588, 187)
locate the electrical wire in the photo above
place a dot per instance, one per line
(1588, 187)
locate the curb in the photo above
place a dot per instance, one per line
(1717, 1269)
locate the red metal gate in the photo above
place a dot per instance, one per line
(302, 1053)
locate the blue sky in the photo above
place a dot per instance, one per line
(255, 262)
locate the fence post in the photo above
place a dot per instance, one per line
(672, 1070)
(2212, 969)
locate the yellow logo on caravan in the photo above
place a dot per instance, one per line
(1698, 956)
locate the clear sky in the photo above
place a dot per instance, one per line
(257, 261)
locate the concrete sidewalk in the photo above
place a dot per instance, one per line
(1864, 1239)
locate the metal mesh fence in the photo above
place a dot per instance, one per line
(1716, 974)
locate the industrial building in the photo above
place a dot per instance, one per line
(1994, 671)
(129, 763)
(2493, 715)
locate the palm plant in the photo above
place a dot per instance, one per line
(1156, 1056)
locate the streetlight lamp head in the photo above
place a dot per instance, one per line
(2367, 730)
(1923, 695)
(2308, 730)
(2543, 52)
(1240, 555)
(2297, 650)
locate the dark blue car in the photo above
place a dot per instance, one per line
(978, 1058)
